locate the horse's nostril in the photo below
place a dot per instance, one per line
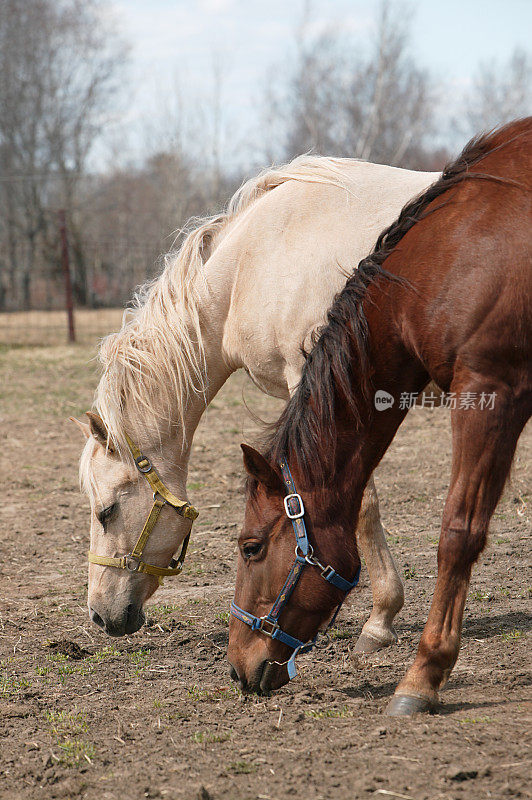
(95, 617)
(266, 676)
(134, 618)
(236, 677)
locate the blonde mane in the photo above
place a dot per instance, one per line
(156, 361)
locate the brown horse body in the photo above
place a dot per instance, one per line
(447, 296)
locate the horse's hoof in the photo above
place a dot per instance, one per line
(404, 705)
(368, 644)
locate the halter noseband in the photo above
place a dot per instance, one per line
(161, 496)
(269, 623)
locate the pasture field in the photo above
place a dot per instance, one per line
(156, 715)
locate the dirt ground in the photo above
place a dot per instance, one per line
(156, 715)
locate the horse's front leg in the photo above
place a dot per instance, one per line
(484, 443)
(386, 586)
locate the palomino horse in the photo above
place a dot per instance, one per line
(246, 290)
(447, 295)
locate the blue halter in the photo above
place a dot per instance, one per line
(269, 623)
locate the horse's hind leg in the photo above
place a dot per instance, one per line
(484, 443)
(386, 586)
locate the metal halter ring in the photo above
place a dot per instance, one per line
(309, 555)
(128, 561)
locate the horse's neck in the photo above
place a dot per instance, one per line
(394, 371)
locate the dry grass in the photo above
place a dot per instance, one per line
(47, 328)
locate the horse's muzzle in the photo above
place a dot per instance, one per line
(267, 677)
(128, 622)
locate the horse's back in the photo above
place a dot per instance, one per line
(293, 250)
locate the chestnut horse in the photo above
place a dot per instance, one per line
(446, 295)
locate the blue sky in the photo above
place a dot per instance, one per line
(173, 41)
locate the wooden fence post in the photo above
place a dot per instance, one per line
(69, 302)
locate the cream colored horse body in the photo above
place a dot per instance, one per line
(299, 243)
(263, 279)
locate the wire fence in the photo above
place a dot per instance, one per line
(50, 313)
(51, 328)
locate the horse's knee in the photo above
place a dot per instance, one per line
(461, 542)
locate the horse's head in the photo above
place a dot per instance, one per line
(267, 552)
(122, 503)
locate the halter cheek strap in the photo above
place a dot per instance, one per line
(161, 496)
(269, 623)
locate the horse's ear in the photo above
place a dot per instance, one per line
(257, 467)
(99, 431)
(84, 428)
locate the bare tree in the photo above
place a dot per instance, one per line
(390, 101)
(58, 70)
(131, 215)
(499, 93)
(193, 129)
(344, 98)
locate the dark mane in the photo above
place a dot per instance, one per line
(307, 424)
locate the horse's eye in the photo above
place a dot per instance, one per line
(250, 549)
(106, 513)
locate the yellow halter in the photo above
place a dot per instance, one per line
(161, 496)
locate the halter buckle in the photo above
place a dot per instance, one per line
(146, 464)
(132, 563)
(265, 621)
(294, 514)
